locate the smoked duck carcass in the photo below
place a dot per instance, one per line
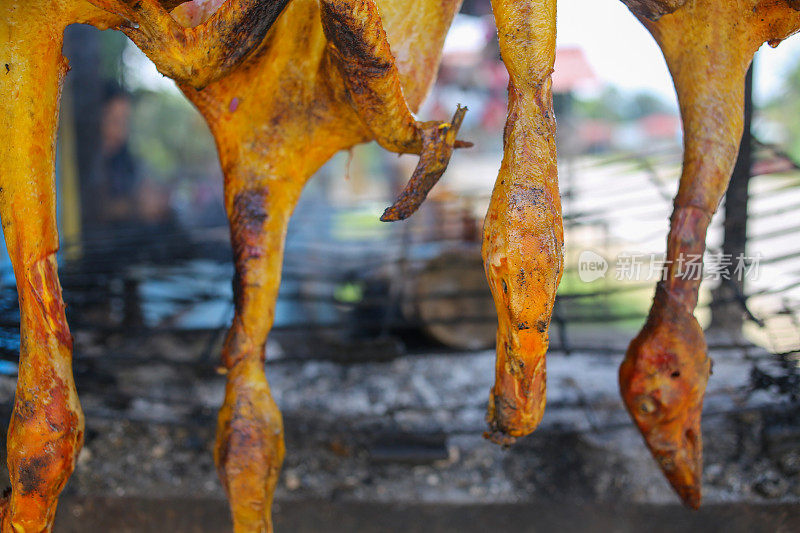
(283, 86)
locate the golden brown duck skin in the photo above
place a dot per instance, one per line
(46, 429)
(276, 119)
(708, 45)
(202, 53)
(523, 236)
(278, 113)
(361, 50)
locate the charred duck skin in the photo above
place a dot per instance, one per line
(226, 34)
(708, 45)
(361, 51)
(523, 236)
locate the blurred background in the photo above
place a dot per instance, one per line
(381, 357)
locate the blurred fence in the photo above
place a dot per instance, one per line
(357, 290)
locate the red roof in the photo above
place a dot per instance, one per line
(572, 70)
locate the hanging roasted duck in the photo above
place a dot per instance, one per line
(708, 45)
(283, 87)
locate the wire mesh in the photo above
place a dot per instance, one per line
(358, 286)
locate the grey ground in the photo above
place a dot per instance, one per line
(402, 438)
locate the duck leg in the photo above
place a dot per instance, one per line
(46, 429)
(250, 449)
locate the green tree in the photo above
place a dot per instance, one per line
(615, 105)
(170, 137)
(782, 111)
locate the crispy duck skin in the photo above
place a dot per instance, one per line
(278, 111)
(523, 236)
(276, 119)
(708, 45)
(361, 50)
(46, 429)
(438, 142)
(285, 85)
(196, 55)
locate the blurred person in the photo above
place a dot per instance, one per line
(129, 219)
(117, 176)
(127, 207)
(124, 199)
